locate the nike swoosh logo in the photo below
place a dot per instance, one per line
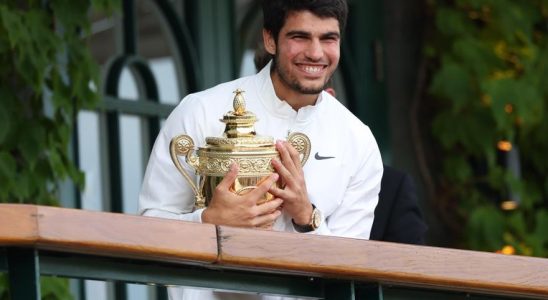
(318, 157)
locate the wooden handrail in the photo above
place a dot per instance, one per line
(118, 235)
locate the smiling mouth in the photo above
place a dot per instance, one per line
(312, 69)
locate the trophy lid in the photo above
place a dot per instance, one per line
(240, 128)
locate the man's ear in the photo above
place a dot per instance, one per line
(269, 42)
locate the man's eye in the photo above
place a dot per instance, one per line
(330, 39)
(299, 37)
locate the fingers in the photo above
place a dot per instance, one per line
(285, 174)
(264, 186)
(230, 178)
(295, 156)
(269, 207)
(278, 192)
(284, 149)
(267, 220)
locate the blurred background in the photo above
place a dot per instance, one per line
(455, 92)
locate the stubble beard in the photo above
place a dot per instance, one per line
(293, 83)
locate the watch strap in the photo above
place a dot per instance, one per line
(308, 227)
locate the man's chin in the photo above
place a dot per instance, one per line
(310, 90)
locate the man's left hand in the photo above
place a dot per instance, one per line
(294, 194)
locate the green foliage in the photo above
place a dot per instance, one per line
(39, 48)
(3, 287)
(51, 288)
(46, 75)
(490, 84)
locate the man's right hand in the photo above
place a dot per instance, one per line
(227, 208)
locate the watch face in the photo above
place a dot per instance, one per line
(316, 219)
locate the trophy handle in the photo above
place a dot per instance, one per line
(301, 143)
(183, 145)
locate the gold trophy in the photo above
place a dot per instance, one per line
(239, 144)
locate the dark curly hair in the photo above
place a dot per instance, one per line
(275, 12)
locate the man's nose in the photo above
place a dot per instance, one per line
(314, 50)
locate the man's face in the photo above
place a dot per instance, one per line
(306, 54)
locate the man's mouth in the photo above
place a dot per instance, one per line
(312, 69)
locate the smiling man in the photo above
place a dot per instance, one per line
(306, 53)
(335, 193)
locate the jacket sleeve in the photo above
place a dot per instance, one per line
(165, 193)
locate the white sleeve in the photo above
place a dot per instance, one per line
(165, 192)
(354, 216)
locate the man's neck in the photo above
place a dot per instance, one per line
(294, 98)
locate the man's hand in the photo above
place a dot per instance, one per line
(227, 208)
(294, 194)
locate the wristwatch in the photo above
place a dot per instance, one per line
(315, 221)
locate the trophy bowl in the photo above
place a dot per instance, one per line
(239, 144)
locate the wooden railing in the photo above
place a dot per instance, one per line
(83, 244)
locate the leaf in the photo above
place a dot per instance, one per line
(71, 15)
(8, 172)
(22, 189)
(54, 288)
(487, 224)
(3, 286)
(32, 142)
(517, 223)
(32, 43)
(523, 97)
(57, 164)
(5, 124)
(457, 169)
(453, 82)
(78, 177)
(471, 130)
(476, 55)
(11, 19)
(7, 165)
(515, 16)
(541, 229)
(452, 22)
(108, 6)
(529, 193)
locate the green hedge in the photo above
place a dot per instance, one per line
(46, 76)
(490, 85)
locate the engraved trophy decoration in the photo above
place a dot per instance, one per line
(239, 144)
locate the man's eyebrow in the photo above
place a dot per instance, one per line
(298, 32)
(329, 34)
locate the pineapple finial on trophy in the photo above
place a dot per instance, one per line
(239, 102)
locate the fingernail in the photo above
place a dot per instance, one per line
(274, 176)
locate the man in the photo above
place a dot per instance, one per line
(335, 193)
